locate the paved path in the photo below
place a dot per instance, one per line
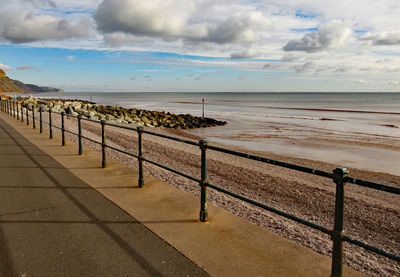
(54, 224)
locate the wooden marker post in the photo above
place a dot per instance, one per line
(202, 100)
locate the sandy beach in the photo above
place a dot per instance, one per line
(370, 216)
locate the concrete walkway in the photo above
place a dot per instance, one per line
(225, 246)
(54, 224)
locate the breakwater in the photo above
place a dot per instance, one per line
(139, 117)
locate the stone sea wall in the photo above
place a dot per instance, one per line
(138, 117)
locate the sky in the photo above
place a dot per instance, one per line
(203, 45)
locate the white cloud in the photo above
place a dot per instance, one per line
(384, 38)
(223, 29)
(239, 28)
(5, 67)
(246, 54)
(290, 57)
(117, 39)
(24, 26)
(27, 67)
(125, 20)
(306, 67)
(38, 3)
(329, 35)
(361, 82)
(158, 18)
(272, 66)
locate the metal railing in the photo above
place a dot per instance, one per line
(340, 176)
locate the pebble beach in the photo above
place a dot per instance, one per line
(370, 216)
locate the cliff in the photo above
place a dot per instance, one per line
(15, 86)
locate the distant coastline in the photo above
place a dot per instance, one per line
(8, 85)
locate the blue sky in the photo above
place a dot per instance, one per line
(202, 45)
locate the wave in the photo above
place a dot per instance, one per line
(230, 114)
(333, 110)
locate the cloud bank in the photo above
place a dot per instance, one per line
(24, 26)
(329, 36)
(384, 38)
(175, 20)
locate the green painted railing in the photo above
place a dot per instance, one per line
(340, 176)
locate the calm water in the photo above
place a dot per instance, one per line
(353, 129)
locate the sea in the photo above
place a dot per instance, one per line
(359, 130)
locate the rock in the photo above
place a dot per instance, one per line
(67, 104)
(122, 115)
(146, 120)
(100, 115)
(110, 117)
(58, 107)
(76, 105)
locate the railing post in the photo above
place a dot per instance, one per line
(40, 120)
(8, 107)
(50, 125)
(33, 117)
(22, 113)
(140, 156)
(103, 143)
(80, 135)
(27, 114)
(13, 108)
(339, 175)
(17, 110)
(62, 129)
(203, 181)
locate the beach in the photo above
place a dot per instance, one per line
(370, 216)
(347, 129)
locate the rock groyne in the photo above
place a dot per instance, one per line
(135, 116)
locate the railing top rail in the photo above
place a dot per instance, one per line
(373, 185)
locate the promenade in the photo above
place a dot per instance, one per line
(63, 215)
(54, 224)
